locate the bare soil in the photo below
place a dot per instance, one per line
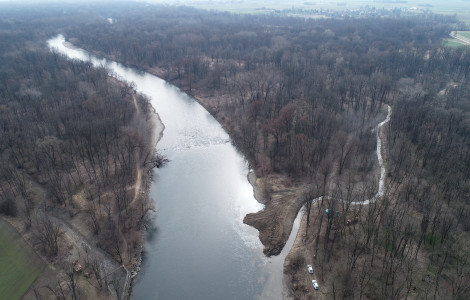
(274, 222)
(299, 281)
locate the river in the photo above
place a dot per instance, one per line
(201, 249)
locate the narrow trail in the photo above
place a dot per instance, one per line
(82, 244)
(138, 181)
(380, 189)
(108, 264)
(135, 104)
(277, 275)
(138, 184)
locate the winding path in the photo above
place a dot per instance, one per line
(276, 273)
(380, 190)
(138, 181)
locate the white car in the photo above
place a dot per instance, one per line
(310, 269)
(315, 284)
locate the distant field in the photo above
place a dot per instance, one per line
(451, 43)
(19, 265)
(464, 34)
(454, 42)
(461, 8)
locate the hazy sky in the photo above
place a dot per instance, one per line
(246, 1)
(440, 6)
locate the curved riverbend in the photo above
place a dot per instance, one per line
(201, 249)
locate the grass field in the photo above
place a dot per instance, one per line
(451, 44)
(464, 34)
(19, 265)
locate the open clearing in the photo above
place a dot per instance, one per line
(19, 265)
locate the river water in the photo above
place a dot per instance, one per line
(201, 249)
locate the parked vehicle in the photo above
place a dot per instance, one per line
(315, 284)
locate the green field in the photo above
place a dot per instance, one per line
(451, 44)
(19, 265)
(464, 34)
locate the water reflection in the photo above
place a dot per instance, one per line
(200, 249)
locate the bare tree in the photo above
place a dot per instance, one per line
(47, 233)
(72, 282)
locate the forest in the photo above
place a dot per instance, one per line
(314, 90)
(301, 98)
(72, 142)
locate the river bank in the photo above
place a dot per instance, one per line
(281, 197)
(192, 137)
(92, 243)
(282, 200)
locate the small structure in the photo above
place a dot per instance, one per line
(329, 212)
(77, 267)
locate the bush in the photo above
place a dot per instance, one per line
(8, 207)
